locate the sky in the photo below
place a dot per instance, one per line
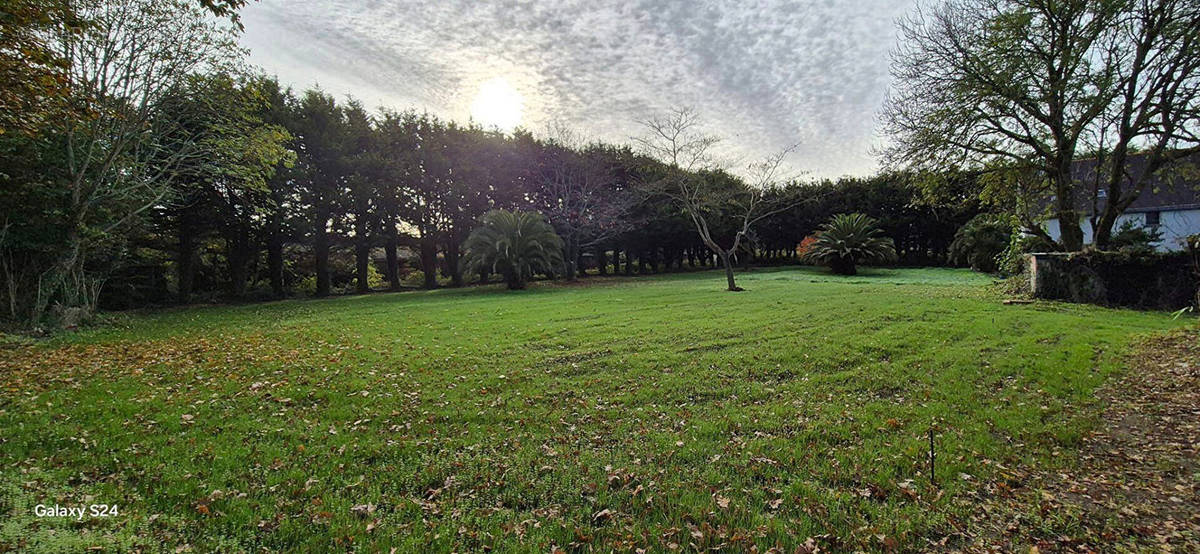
(762, 74)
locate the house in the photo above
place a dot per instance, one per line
(1169, 204)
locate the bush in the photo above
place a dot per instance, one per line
(1012, 260)
(415, 278)
(307, 285)
(981, 241)
(805, 246)
(849, 239)
(1131, 237)
(375, 279)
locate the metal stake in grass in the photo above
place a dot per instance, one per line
(932, 458)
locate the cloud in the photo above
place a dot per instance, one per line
(764, 74)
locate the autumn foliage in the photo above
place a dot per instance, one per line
(805, 246)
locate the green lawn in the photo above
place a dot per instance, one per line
(618, 413)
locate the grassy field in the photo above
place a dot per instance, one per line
(659, 413)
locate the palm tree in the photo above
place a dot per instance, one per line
(848, 239)
(515, 244)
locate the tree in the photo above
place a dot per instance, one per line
(225, 8)
(229, 182)
(1152, 121)
(363, 187)
(676, 139)
(281, 213)
(516, 245)
(478, 179)
(119, 158)
(1030, 85)
(850, 239)
(320, 130)
(400, 171)
(426, 202)
(579, 189)
(34, 83)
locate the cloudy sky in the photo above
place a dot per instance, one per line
(764, 74)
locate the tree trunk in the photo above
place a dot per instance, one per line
(1070, 233)
(393, 261)
(66, 284)
(453, 253)
(238, 255)
(1103, 232)
(429, 260)
(275, 264)
(602, 260)
(186, 264)
(1116, 203)
(843, 266)
(728, 264)
(321, 251)
(628, 261)
(1104, 227)
(513, 279)
(362, 253)
(275, 244)
(570, 257)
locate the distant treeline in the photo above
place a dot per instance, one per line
(356, 201)
(170, 173)
(385, 201)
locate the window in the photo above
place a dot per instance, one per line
(1152, 219)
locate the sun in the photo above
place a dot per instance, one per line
(498, 104)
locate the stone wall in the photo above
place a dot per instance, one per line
(1144, 280)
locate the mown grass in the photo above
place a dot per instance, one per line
(654, 413)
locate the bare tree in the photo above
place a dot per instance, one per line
(1153, 120)
(122, 67)
(1030, 85)
(694, 182)
(581, 193)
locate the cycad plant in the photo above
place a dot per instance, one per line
(514, 244)
(981, 241)
(850, 239)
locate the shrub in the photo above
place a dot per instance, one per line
(514, 244)
(307, 285)
(805, 246)
(375, 279)
(1012, 260)
(850, 239)
(415, 278)
(981, 241)
(1131, 237)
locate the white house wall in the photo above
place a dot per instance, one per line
(1175, 227)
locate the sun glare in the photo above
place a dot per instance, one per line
(498, 104)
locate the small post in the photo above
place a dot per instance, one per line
(932, 459)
